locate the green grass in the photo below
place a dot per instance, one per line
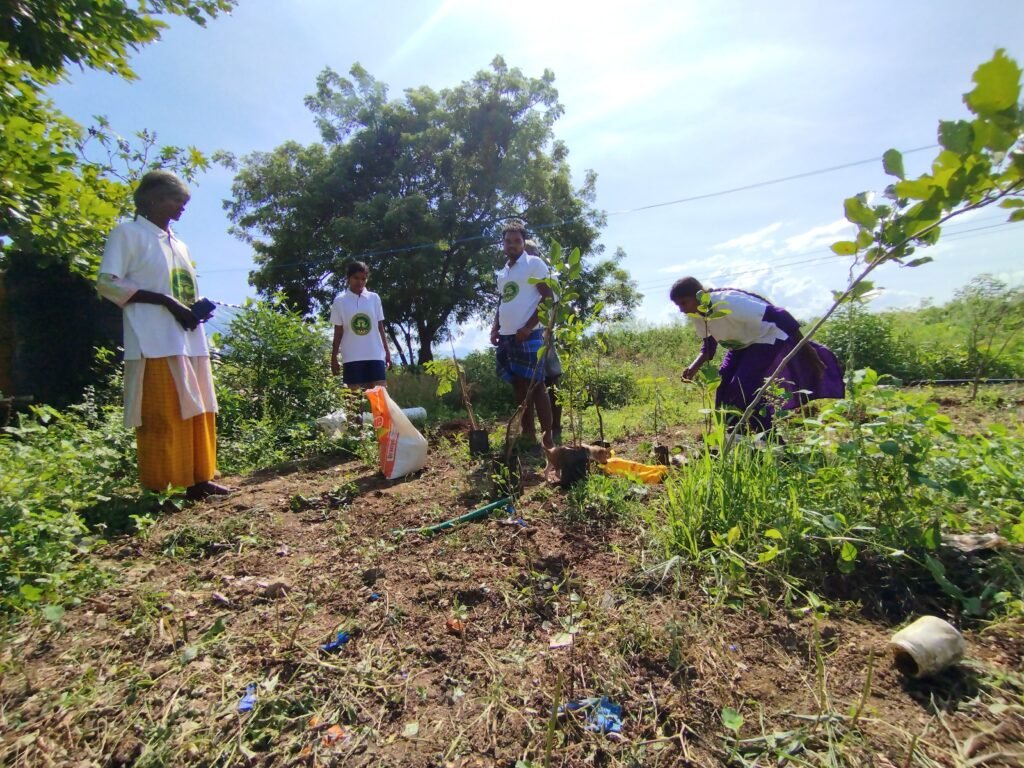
(856, 500)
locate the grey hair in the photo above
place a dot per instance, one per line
(158, 185)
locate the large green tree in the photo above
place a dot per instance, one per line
(56, 202)
(417, 187)
(65, 186)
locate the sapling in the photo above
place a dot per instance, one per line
(981, 163)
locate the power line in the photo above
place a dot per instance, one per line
(780, 259)
(759, 184)
(959, 235)
(948, 231)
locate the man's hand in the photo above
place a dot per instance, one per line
(182, 314)
(494, 336)
(523, 334)
(335, 366)
(387, 359)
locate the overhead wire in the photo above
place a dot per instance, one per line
(959, 235)
(759, 184)
(779, 260)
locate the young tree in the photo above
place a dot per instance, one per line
(981, 164)
(418, 188)
(992, 314)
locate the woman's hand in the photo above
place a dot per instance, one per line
(690, 373)
(182, 314)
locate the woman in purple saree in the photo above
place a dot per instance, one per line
(758, 336)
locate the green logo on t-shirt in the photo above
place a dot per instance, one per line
(361, 324)
(509, 292)
(183, 287)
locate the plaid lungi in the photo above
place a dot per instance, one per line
(520, 360)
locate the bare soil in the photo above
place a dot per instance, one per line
(450, 660)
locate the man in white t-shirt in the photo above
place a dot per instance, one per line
(517, 331)
(358, 319)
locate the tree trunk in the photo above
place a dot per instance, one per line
(427, 335)
(425, 354)
(398, 346)
(408, 343)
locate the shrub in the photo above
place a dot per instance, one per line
(273, 381)
(490, 395)
(613, 388)
(861, 339)
(62, 470)
(857, 506)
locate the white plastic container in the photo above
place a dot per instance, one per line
(926, 647)
(412, 414)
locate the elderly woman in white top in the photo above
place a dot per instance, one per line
(168, 383)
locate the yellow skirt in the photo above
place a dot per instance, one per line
(172, 451)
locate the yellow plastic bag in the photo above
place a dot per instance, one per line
(648, 473)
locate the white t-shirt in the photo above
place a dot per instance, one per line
(743, 326)
(154, 260)
(519, 297)
(360, 315)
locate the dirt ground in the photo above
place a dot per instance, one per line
(462, 645)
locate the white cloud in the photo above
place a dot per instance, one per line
(470, 338)
(819, 237)
(679, 268)
(757, 239)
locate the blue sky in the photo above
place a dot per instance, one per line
(665, 100)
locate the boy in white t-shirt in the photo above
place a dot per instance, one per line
(358, 319)
(517, 331)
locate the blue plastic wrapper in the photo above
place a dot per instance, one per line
(336, 643)
(603, 714)
(374, 597)
(514, 518)
(249, 700)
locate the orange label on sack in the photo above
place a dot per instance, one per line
(387, 437)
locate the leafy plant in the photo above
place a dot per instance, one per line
(568, 329)
(69, 477)
(273, 380)
(448, 372)
(864, 490)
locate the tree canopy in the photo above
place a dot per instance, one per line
(57, 203)
(64, 186)
(418, 188)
